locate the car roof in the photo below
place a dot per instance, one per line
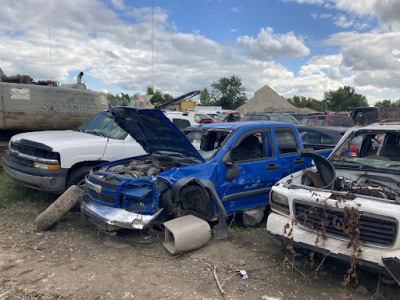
(326, 129)
(236, 125)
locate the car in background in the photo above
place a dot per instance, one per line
(276, 117)
(369, 115)
(198, 116)
(320, 137)
(328, 119)
(228, 116)
(53, 160)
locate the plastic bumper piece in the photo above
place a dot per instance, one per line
(51, 181)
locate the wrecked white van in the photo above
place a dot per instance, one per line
(347, 206)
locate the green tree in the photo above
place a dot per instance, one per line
(384, 103)
(343, 99)
(229, 92)
(205, 98)
(301, 101)
(158, 97)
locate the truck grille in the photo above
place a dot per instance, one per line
(23, 149)
(109, 184)
(374, 229)
(101, 197)
(33, 151)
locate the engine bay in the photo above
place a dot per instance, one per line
(150, 165)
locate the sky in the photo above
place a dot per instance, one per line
(296, 47)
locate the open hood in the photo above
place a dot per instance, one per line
(153, 131)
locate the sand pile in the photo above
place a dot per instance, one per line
(267, 100)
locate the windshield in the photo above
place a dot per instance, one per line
(221, 116)
(104, 126)
(377, 149)
(207, 142)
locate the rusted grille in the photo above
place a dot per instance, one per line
(374, 229)
(102, 197)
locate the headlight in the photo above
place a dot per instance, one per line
(279, 202)
(46, 166)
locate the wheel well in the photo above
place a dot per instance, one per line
(84, 164)
(195, 200)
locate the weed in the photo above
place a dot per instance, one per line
(111, 258)
(50, 265)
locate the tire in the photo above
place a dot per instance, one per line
(59, 208)
(77, 176)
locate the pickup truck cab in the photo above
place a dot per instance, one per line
(228, 116)
(346, 207)
(211, 171)
(52, 161)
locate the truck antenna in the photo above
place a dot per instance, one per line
(51, 63)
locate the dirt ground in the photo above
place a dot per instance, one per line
(74, 261)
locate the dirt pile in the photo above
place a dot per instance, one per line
(267, 100)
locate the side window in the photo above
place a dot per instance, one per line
(249, 148)
(286, 140)
(233, 118)
(321, 121)
(325, 139)
(311, 121)
(180, 123)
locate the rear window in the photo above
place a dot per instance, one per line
(181, 123)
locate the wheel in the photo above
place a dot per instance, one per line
(59, 208)
(77, 176)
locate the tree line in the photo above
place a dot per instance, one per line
(229, 93)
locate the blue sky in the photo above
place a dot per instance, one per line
(297, 47)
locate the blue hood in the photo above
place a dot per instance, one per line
(153, 131)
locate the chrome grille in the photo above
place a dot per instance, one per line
(374, 229)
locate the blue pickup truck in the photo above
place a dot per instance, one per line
(209, 171)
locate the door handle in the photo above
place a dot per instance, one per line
(272, 167)
(298, 161)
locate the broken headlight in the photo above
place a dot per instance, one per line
(279, 202)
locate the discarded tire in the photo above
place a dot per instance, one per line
(59, 208)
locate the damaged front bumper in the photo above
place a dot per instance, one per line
(379, 259)
(109, 219)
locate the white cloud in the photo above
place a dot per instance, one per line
(342, 21)
(387, 11)
(118, 4)
(270, 46)
(88, 36)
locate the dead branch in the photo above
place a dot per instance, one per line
(214, 268)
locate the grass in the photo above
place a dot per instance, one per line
(13, 194)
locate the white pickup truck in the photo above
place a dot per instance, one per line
(349, 206)
(52, 161)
